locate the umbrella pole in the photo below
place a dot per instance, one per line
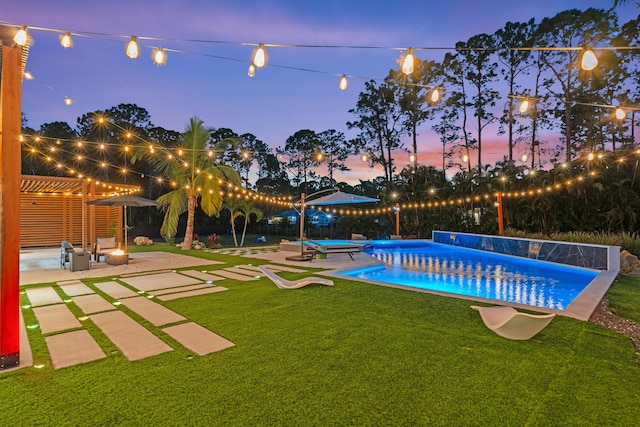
(126, 228)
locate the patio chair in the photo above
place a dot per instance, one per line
(104, 246)
(288, 284)
(66, 249)
(512, 324)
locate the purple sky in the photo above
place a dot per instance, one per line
(275, 103)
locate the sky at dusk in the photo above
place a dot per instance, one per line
(210, 79)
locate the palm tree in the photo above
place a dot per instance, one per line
(195, 177)
(250, 209)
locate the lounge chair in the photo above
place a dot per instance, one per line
(512, 324)
(104, 246)
(288, 284)
(338, 248)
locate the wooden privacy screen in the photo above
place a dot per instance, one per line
(48, 219)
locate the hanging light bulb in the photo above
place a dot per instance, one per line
(259, 56)
(66, 41)
(28, 75)
(590, 156)
(589, 60)
(68, 101)
(159, 56)
(524, 157)
(524, 106)
(343, 82)
(413, 157)
(252, 70)
(465, 158)
(132, 49)
(435, 95)
(22, 36)
(364, 157)
(407, 64)
(620, 114)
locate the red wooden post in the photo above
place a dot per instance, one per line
(10, 128)
(500, 219)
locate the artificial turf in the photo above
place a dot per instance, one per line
(351, 354)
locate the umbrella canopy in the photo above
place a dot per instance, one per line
(340, 198)
(124, 200)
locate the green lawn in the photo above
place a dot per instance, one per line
(352, 354)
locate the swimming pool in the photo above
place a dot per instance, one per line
(431, 266)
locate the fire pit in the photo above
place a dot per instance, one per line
(118, 257)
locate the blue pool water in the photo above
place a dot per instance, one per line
(425, 265)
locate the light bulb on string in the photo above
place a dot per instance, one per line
(343, 82)
(22, 36)
(252, 71)
(407, 63)
(68, 101)
(65, 40)
(159, 56)
(435, 95)
(28, 75)
(589, 60)
(259, 59)
(524, 106)
(132, 50)
(620, 114)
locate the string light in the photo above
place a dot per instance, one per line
(159, 56)
(65, 40)
(68, 101)
(27, 75)
(22, 36)
(252, 70)
(435, 95)
(259, 59)
(132, 50)
(620, 114)
(524, 106)
(589, 60)
(343, 82)
(408, 62)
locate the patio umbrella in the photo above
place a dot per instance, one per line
(337, 198)
(124, 200)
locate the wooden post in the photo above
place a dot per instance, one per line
(10, 129)
(397, 209)
(500, 219)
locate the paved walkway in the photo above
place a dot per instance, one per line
(135, 289)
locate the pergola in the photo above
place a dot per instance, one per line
(53, 209)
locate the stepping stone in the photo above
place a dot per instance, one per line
(201, 275)
(276, 267)
(115, 290)
(75, 289)
(43, 296)
(144, 273)
(155, 313)
(211, 290)
(197, 338)
(160, 281)
(56, 318)
(232, 274)
(182, 289)
(242, 269)
(90, 304)
(134, 340)
(73, 348)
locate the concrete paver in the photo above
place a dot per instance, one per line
(155, 313)
(43, 296)
(160, 281)
(73, 348)
(198, 339)
(134, 340)
(55, 318)
(90, 304)
(75, 289)
(177, 295)
(115, 290)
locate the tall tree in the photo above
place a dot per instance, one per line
(569, 31)
(379, 124)
(298, 157)
(513, 42)
(334, 151)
